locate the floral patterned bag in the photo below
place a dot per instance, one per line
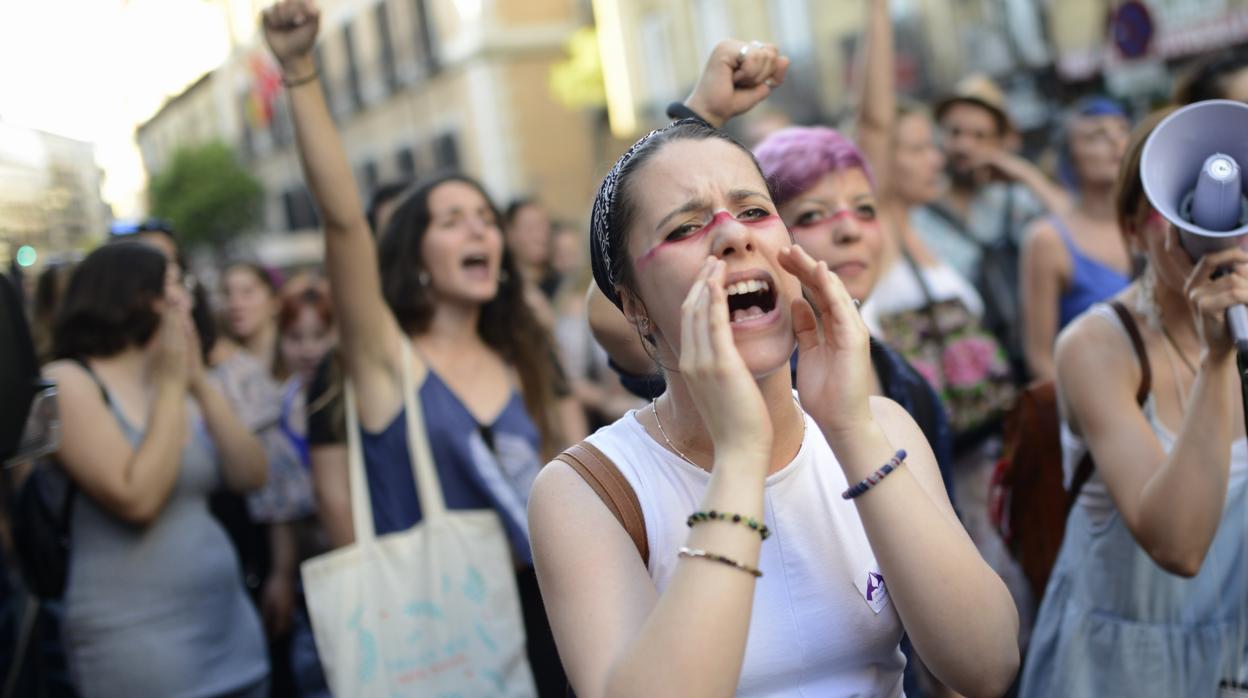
(965, 363)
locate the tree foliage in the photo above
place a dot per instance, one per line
(207, 195)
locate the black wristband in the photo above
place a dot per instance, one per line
(677, 111)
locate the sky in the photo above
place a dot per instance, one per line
(95, 69)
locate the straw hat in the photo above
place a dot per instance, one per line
(980, 90)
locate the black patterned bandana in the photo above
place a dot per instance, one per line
(599, 218)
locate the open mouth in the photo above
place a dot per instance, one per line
(750, 298)
(476, 262)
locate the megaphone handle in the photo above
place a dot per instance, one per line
(1241, 362)
(1237, 322)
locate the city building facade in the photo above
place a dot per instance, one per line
(49, 194)
(416, 86)
(421, 85)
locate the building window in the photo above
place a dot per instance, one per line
(406, 158)
(300, 211)
(446, 152)
(426, 36)
(353, 68)
(385, 40)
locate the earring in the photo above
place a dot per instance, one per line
(643, 329)
(1146, 297)
(503, 276)
(422, 277)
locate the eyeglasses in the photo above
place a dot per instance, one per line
(42, 432)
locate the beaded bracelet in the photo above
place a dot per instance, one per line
(694, 552)
(297, 82)
(712, 515)
(874, 478)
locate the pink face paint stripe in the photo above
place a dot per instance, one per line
(718, 218)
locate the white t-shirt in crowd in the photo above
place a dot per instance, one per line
(898, 291)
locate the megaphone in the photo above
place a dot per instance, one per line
(1192, 173)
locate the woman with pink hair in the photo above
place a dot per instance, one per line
(924, 307)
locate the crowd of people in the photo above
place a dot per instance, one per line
(789, 361)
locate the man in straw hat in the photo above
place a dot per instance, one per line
(981, 206)
(976, 226)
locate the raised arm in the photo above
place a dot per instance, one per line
(332, 482)
(244, 465)
(1172, 503)
(131, 483)
(1040, 280)
(369, 332)
(1015, 168)
(877, 105)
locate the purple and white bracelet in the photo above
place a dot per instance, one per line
(874, 478)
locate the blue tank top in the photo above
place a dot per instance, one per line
(1091, 281)
(298, 441)
(481, 466)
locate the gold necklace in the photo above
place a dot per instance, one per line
(654, 407)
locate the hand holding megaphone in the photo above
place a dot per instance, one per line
(1218, 283)
(1192, 173)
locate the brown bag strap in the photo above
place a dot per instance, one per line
(613, 489)
(1137, 343)
(1084, 471)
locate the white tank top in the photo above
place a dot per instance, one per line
(822, 621)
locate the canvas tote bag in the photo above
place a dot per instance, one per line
(430, 611)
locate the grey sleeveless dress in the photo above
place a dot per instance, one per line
(160, 610)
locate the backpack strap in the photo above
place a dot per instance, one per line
(612, 488)
(108, 401)
(955, 223)
(1084, 471)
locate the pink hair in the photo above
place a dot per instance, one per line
(794, 159)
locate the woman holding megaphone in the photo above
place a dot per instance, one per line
(1147, 595)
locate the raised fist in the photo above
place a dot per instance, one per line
(290, 28)
(737, 76)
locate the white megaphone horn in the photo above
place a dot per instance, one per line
(1191, 171)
